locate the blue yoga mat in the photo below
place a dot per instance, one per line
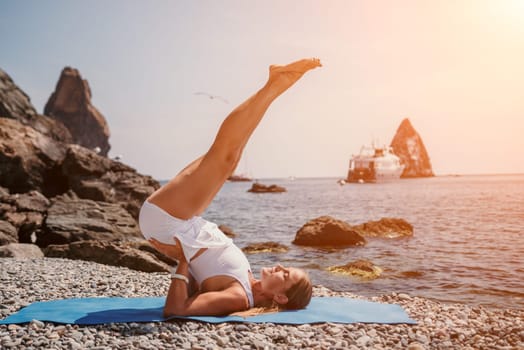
(86, 311)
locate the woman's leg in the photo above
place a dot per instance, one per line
(190, 192)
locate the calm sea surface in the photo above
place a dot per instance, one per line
(468, 243)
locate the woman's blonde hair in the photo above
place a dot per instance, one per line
(299, 295)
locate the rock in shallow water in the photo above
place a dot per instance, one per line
(364, 269)
(260, 188)
(326, 231)
(385, 228)
(265, 247)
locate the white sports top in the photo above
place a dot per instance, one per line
(225, 261)
(222, 258)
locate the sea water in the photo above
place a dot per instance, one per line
(467, 247)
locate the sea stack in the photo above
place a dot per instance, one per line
(70, 103)
(408, 146)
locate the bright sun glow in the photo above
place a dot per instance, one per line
(518, 5)
(509, 8)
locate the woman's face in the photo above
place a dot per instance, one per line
(278, 279)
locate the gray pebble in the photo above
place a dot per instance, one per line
(37, 324)
(415, 346)
(242, 328)
(363, 340)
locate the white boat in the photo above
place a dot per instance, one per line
(374, 164)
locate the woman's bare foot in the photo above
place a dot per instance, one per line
(283, 77)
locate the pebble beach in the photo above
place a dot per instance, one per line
(439, 326)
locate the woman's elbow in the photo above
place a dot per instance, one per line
(173, 311)
(167, 313)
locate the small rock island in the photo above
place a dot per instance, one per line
(259, 188)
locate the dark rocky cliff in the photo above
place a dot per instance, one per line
(55, 190)
(15, 104)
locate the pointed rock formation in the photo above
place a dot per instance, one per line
(15, 104)
(71, 104)
(408, 146)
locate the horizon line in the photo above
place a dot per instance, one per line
(338, 177)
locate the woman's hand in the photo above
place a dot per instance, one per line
(173, 251)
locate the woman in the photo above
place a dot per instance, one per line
(169, 219)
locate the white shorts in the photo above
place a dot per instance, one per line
(194, 234)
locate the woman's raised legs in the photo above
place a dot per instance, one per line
(190, 191)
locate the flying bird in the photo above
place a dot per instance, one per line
(212, 97)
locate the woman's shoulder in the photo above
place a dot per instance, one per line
(229, 300)
(237, 293)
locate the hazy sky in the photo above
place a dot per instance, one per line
(454, 68)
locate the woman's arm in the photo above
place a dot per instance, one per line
(180, 303)
(217, 303)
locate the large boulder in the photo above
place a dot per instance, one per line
(408, 146)
(25, 212)
(52, 128)
(8, 233)
(109, 253)
(29, 160)
(92, 176)
(21, 250)
(29, 201)
(326, 231)
(385, 228)
(144, 245)
(71, 219)
(70, 104)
